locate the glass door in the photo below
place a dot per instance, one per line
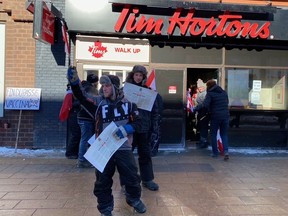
(99, 70)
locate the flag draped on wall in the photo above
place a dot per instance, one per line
(151, 81)
(65, 37)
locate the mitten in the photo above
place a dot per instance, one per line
(123, 131)
(72, 76)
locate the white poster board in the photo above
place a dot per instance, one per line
(22, 98)
(104, 147)
(144, 98)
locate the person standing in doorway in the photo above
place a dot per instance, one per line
(202, 115)
(138, 76)
(216, 101)
(86, 120)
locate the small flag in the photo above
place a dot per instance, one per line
(151, 82)
(65, 37)
(190, 105)
(219, 143)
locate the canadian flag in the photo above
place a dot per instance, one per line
(65, 37)
(219, 143)
(151, 82)
(66, 106)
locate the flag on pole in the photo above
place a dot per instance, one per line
(151, 82)
(65, 37)
(219, 143)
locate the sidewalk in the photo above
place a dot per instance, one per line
(191, 183)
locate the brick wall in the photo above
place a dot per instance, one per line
(50, 76)
(19, 68)
(30, 63)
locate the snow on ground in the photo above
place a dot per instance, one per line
(60, 153)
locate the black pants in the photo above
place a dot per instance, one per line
(141, 140)
(74, 135)
(203, 126)
(125, 162)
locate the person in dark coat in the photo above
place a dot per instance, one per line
(74, 132)
(86, 120)
(138, 76)
(216, 101)
(111, 106)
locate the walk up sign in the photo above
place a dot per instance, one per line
(22, 99)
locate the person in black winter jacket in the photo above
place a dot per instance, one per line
(138, 76)
(216, 101)
(86, 120)
(110, 106)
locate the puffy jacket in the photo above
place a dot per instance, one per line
(121, 111)
(87, 112)
(216, 101)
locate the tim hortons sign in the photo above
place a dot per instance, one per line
(226, 25)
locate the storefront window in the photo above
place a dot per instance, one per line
(257, 97)
(257, 88)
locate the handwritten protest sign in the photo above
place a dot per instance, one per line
(22, 98)
(144, 98)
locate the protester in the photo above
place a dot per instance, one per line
(216, 101)
(69, 110)
(138, 76)
(203, 118)
(111, 106)
(86, 120)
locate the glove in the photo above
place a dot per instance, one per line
(72, 76)
(123, 131)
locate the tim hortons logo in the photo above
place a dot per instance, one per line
(97, 50)
(225, 25)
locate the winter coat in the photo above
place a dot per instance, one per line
(216, 101)
(87, 113)
(147, 118)
(121, 111)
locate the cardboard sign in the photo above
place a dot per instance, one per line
(22, 98)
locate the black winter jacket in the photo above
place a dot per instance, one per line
(216, 101)
(121, 111)
(87, 112)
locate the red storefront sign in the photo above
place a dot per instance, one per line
(48, 24)
(224, 25)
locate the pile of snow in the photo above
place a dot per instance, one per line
(12, 152)
(60, 153)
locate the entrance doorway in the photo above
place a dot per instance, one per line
(193, 74)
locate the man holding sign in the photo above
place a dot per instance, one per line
(149, 113)
(111, 106)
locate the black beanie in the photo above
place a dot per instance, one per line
(92, 78)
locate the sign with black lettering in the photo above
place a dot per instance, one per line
(22, 98)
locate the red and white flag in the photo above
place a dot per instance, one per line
(219, 143)
(190, 105)
(151, 81)
(65, 37)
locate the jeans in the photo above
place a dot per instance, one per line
(125, 162)
(221, 124)
(87, 131)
